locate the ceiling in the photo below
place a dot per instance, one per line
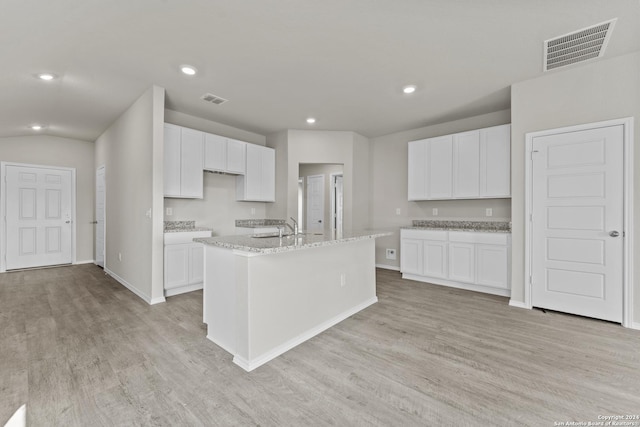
(281, 61)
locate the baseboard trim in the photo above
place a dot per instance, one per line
(133, 289)
(249, 365)
(459, 285)
(182, 290)
(635, 325)
(86, 261)
(388, 267)
(518, 304)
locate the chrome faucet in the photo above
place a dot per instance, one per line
(294, 229)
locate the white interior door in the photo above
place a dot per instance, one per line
(39, 216)
(100, 215)
(577, 220)
(315, 203)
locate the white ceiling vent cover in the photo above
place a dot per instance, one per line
(578, 46)
(213, 99)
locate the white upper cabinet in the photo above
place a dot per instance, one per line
(172, 166)
(430, 168)
(495, 161)
(439, 160)
(258, 182)
(417, 170)
(224, 154)
(236, 153)
(182, 162)
(467, 165)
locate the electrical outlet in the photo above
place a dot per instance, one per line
(434, 211)
(488, 212)
(169, 211)
(119, 256)
(397, 211)
(391, 254)
(343, 279)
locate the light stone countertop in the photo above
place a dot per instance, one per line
(259, 223)
(182, 227)
(461, 225)
(273, 245)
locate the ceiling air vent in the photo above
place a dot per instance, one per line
(578, 46)
(213, 99)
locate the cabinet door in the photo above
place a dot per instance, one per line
(462, 262)
(466, 164)
(171, 160)
(411, 256)
(492, 266)
(439, 169)
(176, 265)
(417, 170)
(268, 184)
(495, 161)
(435, 259)
(236, 156)
(215, 152)
(253, 174)
(196, 263)
(191, 178)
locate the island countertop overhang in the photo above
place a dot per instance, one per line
(273, 245)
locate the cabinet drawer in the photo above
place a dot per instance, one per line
(479, 237)
(424, 234)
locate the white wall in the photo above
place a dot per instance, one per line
(131, 150)
(586, 93)
(63, 152)
(388, 177)
(218, 209)
(337, 147)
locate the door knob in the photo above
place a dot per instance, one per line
(614, 233)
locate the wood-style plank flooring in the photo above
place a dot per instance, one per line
(81, 350)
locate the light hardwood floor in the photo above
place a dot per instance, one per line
(82, 350)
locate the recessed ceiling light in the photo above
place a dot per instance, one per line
(36, 127)
(46, 76)
(311, 120)
(409, 89)
(188, 70)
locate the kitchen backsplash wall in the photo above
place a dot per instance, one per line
(218, 209)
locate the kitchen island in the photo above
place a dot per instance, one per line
(265, 295)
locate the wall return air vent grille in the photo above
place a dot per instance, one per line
(213, 99)
(582, 45)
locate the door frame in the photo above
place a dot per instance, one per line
(104, 220)
(332, 183)
(627, 258)
(3, 209)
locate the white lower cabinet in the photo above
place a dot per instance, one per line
(490, 270)
(411, 256)
(461, 262)
(435, 258)
(478, 261)
(183, 262)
